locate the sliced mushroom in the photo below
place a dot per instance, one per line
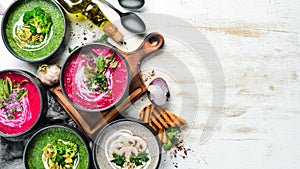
(140, 144)
(126, 140)
(115, 148)
(128, 151)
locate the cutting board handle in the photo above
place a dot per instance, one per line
(151, 43)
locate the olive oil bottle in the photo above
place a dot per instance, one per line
(93, 13)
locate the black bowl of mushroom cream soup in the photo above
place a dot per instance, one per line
(126, 144)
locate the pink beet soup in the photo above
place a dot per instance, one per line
(77, 84)
(23, 119)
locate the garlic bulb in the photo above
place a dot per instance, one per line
(49, 74)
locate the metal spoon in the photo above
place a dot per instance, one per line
(129, 20)
(132, 4)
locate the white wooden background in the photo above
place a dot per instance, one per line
(257, 43)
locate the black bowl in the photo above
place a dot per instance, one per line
(71, 61)
(57, 131)
(38, 115)
(52, 47)
(137, 128)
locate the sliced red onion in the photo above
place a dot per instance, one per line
(158, 91)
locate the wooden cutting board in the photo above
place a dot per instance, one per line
(91, 123)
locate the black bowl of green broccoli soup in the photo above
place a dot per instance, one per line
(34, 30)
(57, 146)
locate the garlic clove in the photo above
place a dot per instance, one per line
(49, 74)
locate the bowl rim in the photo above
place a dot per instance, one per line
(119, 100)
(73, 130)
(6, 15)
(42, 94)
(127, 119)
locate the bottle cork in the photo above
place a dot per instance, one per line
(112, 31)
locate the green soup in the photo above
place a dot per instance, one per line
(35, 149)
(57, 29)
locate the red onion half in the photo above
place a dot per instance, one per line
(158, 91)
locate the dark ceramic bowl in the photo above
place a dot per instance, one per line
(136, 128)
(54, 41)
(74, 79)
(32, 156)
(34, 105)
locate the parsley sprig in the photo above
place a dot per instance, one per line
(118, 160)
(138, 160)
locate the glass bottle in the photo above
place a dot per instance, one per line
(93, 13)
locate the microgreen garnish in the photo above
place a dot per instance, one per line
(11, 94)
(97, 80)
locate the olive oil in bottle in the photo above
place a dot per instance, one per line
(93, 13)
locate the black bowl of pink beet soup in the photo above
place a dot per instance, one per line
(95, 78)
(23, 103)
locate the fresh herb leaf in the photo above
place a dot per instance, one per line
(71, 50)
(118, 160)
(139, 159)
(100, 64)
(102, 39)
(114, 64)
(98, 83)
(2, 89)
(89, 72)
(6, 88)
(110, 61)
(10, 86)
(21, 93)
(10, 116)
(109, 58)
